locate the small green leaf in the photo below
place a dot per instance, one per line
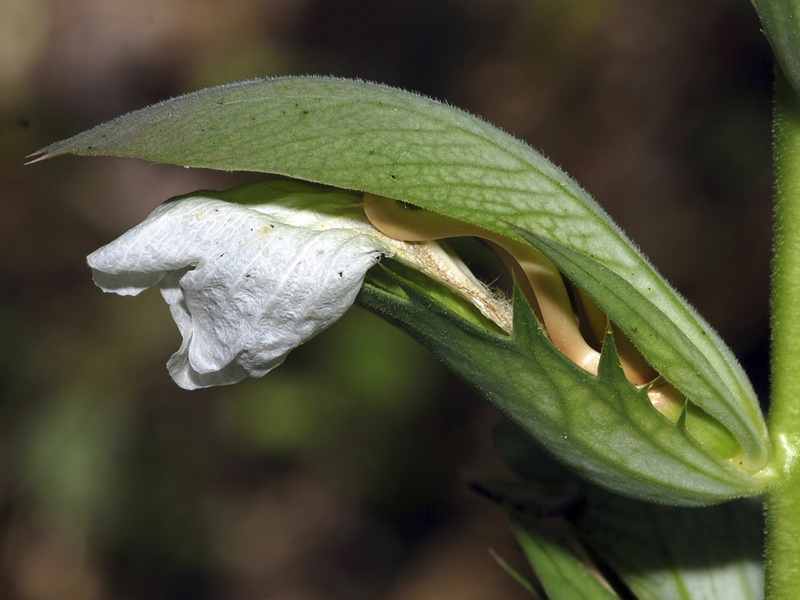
(660, 552)
(563, 576)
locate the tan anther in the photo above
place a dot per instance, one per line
(546, 284)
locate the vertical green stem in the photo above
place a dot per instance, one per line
(783, 501)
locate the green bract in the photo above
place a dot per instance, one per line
(376, 139)
(602, 426)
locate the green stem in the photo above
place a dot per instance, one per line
(783, 500)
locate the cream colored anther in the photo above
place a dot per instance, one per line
(547, 286)
(543, 286)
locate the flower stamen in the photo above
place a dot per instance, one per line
(543, 286)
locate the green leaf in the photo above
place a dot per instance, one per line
(602, 426)
(779, 22)
(376, 139)
(660, 552)
(667, 552)
(563, 576)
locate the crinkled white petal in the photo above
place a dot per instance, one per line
(243, 287)
(252, 272)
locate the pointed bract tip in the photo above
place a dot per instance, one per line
(38, 156)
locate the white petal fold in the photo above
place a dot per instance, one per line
(244, 287)
(253, 272)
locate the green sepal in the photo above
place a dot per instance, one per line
(686, 352)
(602, 426)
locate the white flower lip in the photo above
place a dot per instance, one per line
(244, 287)
(253, 272)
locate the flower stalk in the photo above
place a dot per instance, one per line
(783, 508)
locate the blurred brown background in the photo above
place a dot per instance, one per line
(337, 476)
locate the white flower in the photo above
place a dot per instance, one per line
(253, 272)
